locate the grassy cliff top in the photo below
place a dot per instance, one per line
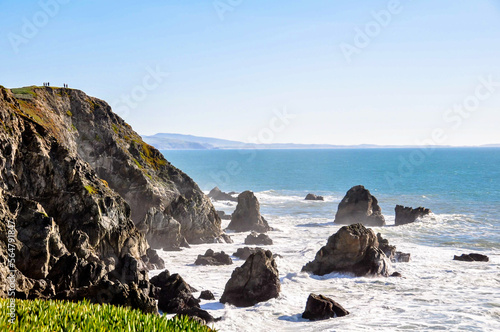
(84, 316)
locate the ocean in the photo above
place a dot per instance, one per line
(460, 185)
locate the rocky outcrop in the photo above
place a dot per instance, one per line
(175, 296)
(258, 239)
(165, 203)
(213, 258)
(472, 258)
(353, 249)
(320, 307)
(247, 216)
(390, 251)
(313, 197)
(152, 260)
(217, 195)
(407, 215)
(76, 182)
(359, 206)
(257, 280)
(206, 295)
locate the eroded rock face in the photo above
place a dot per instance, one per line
(313, 197)
(63, 158)
(353, 249)
(258, 239)
(257, 280)
(359, 206)
(247, 216)
(213, 258)
(320, 307)
(407, 215)
(217, 195)
(88, 129)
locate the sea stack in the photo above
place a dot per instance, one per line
(359, 206)
(255, 281)
(247, 216)
(353, 249)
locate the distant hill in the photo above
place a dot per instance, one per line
(165, 141)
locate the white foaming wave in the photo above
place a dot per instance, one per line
(434, 293)
(273, 196)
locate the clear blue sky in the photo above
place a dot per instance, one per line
(232, 66)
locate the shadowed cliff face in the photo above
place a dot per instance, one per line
(85, 194)
(166, 205)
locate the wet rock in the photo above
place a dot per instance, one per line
(217, 195)
(320, 307)
(244, 253)
(472, 257)
(152, 260)
(200, 315)
(258, 239)
(257, 280)
(359, 206)
(175, 294)
(353, 249)
(247, 216)
(206, 295)
(390, 251)
(313, 197)
(407, 215)
(213, 258)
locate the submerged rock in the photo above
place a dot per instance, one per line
(472, 257)
(359, 206)
(320, 307)
(257, 280)
(407, 215)
(217, 195)
(258, 239)
(353, 249)
(313, 197)
(213, 258)
(247, 216)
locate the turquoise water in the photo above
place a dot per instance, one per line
(455, 177)
(461, 187)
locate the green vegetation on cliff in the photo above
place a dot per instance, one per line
(84, 316)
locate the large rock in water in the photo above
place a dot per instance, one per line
(258, 239)
(359, 206)
(247, 216)
(320, 307)
(213, 258)
(407, 215)
(257, 280)
(353, 249)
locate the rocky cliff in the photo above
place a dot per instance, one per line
(86, 195)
